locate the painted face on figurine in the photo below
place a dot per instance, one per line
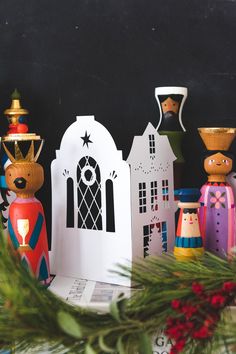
(170, 107)
(24, 178)
(218, 164)
(190, 224)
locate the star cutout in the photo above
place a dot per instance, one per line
(86, 139)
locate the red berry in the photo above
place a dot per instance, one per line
(218, 301)
(175, 304)
(202, 333)
(197, 288)
(229, 286)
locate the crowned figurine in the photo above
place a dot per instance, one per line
(188, 241)
(217, 212)
(26, 222)
(16, 116)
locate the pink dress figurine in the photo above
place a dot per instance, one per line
(217, 212)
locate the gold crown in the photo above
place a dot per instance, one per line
(217, 138)
(32, 152)
(15, 108)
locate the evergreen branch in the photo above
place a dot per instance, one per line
(31, 315)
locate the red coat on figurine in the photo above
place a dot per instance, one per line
(26, 223)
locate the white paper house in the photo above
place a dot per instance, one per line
(98, 201)
(152, 193)
(90, 176)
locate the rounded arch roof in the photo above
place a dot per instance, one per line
(87, 132)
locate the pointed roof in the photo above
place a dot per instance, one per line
(140, 142)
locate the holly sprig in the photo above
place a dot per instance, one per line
(167, 290)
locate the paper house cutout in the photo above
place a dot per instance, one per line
(152, 197)
(90, 176)
(97, 199)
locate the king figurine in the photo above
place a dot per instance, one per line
(26, 223)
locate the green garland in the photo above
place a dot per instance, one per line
(32, 316)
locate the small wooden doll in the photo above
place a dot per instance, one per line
(26, 223)
(217, 212)
(171, 100)
(188, 241)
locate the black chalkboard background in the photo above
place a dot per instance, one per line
(80, 57)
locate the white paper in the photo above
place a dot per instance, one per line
(152, 194)
(107, 197)
(90, 251)
(87, 293)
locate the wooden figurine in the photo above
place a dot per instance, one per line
(171, 101)
(26, 223)
(188, 241)
(16, 116)
(217, 212)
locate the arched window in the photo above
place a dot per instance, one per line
(70, 202)
(89, 194)
(110, 214)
